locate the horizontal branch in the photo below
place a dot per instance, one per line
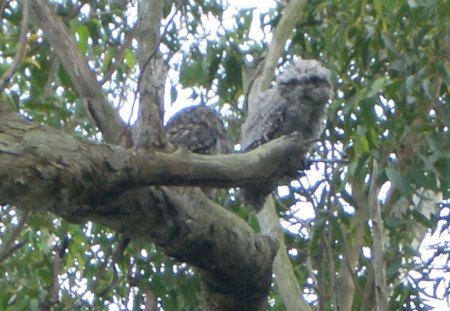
(42, 169)
(67, 168)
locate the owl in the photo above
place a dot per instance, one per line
(200, 130)
(297, 103)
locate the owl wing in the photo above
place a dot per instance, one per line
(264, 124)
(200, 130)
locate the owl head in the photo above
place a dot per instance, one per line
(200, 130)
(307, 79)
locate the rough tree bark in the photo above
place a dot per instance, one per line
(82, 169)
(44, 169)
(152, 77)
(101, 113)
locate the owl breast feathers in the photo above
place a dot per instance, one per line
(297, 102)
(200, 130)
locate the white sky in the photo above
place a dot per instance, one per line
(262, 5)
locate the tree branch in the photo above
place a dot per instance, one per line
(4, 80)
(44, 169)
(378, 251)
(354, 239)
(291, 16)
(267, 218)
(192, 229)
(66, 167)
(150, 132)
(2, 6)
(9, 245)
(102, 114)
(285, 278)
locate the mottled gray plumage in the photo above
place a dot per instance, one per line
(297, 102)
(200, 130)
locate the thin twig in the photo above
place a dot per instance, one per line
(10, 250)
(60, 251)
(120, 55)
(2, 6)
(102, 270)
(75, 11)
(115, 257)
(52, 299)
(329, 161)
(10, 247)
(20, 52)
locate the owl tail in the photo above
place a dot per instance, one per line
(254, 198)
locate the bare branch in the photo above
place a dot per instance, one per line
(378, 250)
(102, 114)
(150, 301)
(2, 6)
(60, 251)
(368, 299)
(20, 52)
(291, 16)
(285, 278)
(156, 48)
(75, 11)
(145, 64)
(9, 244)
(150, 133)
(53, 298)
(345, 291)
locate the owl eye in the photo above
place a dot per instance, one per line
(315, 79)
(291, 82)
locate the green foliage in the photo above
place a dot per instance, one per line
(390, 60)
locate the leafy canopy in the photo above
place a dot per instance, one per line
(390, 60)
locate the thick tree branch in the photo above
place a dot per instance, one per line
(291, 16)
(192, 229)
(86, 173)
(368, 297)
(285, 278)
(152, 76)
(44, 169)
(102, 114)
